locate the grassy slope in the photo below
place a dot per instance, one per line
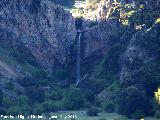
(11, 61)
(8, 71)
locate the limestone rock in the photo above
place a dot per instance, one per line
(43, 27)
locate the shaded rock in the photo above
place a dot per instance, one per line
(142, 50)
(43, 27)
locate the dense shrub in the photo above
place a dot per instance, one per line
(109, 107)
(40, 74)
(103, 119)
(73, 119)
(155, 105)
(157, 114)
(138, 114)
(35, 94)
(73, 99)
(16, 106)
(55, 94)
(89, 95)
(46, 107)
(3, 111)
(97, 102)
(18, 56)
(87, 104)
(10, 85)
(60, 74)
(148, 77)
(50, 106)
(132, 101)
(93, 111)
(20, 106)
(27, 81)
(22, 54)
(18, 110)
(22, 100)
(7, 101)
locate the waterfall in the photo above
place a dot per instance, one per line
(78, 58)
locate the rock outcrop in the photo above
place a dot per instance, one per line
(41, 26)
(100, 37)
(142, 51)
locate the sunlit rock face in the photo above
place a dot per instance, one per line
(100, 37)
(41, 26)
(97, 42)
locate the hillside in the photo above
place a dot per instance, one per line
(101, 57)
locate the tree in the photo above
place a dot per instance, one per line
(18, 110)
(35, 94)
(109, 107)
(93, 111)
(89, 96)
(73, 99)
(132, 101)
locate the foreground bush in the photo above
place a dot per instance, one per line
(138, 114)
(35, 94)
(18, 110)
(73, 99)
(133, 103)
(109, 107)
(157, 114)
(46, 107)
(3, 111)
(93, 111)
(103, 119)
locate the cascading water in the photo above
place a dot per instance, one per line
(78, 58)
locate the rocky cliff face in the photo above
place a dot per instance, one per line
(142, 51)
(41, 26)
(100, 36)
(42, 46)
(97, 42)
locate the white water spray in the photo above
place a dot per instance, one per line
(78, 59)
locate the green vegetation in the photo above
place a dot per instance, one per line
(46, 107)
(109, 107)
(157, 114)
(3, 111)
(35, 94)
(73, 99)
(133, 103)
(134, 99)
(60, 74)
(93, 111)
(18, 106)
(10, 85)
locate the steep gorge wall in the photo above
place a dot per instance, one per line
(141, 59)
(43, 27)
